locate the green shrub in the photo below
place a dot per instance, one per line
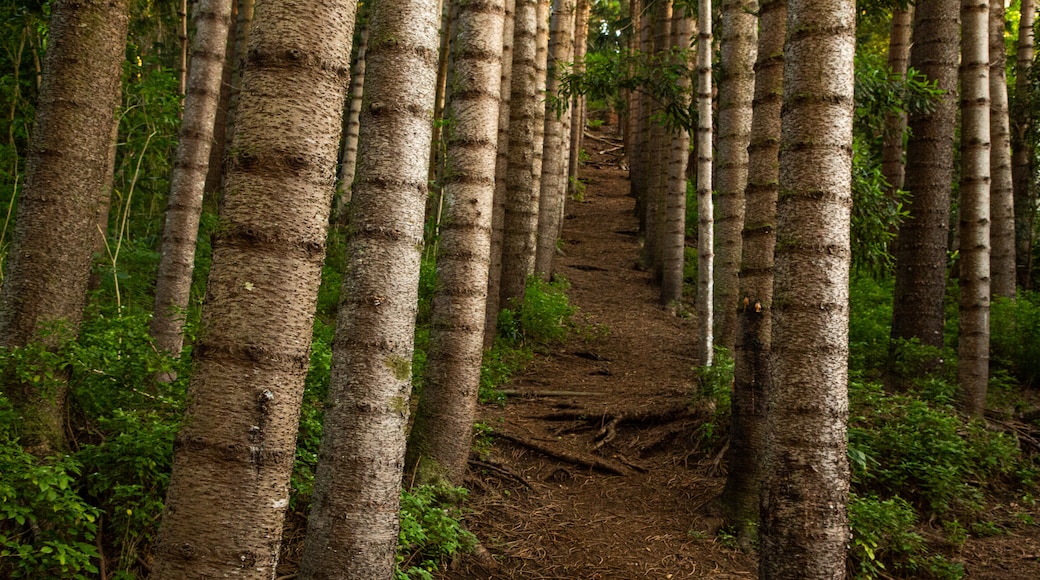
(545, 315)
(870, 320)
(883, 542)
(1015, 336)
(430, 531)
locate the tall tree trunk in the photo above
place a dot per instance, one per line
(1002, 204)
(182, 37)
(498, 210)
(353, 524)
(188, 178)
(435, 202)
(215, 165)
(804, 524)
(751, 375)
(243, 30)
(66, 191)
(657, 144)
(523, 173)
(1022, 146)
(892, 166)
(673, 239)
(352, 127)
(556, 148)
(639, 157)
(920, 279)
(439, 445)
(974, 280)
(236, 446)
(736, 87)
(705, 211)
(581, 42)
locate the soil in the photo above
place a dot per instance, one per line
(600, 467)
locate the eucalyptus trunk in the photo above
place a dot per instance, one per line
(805, 530)
(439, 445)
(752, 376)
(66, 191)
(188, 177)
(705, 208)
(233, 456)
(736, 87)
(1022, 148)
(1002, 203)
(353, 525)
(974, 279)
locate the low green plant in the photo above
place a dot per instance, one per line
(1015, 336)
(430, 531)
(715, 384)
(545, 316)
(883, 540)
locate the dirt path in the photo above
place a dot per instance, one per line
(633, 361)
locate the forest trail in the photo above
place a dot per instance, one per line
(627, 494)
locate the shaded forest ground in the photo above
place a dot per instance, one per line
(630, 490)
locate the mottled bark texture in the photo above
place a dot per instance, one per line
(1022, 153)
(752, 376)
(705, 204)
(352, 124)
(556, 147)
(498, 210)
(736, 76)
(1001, 200)
(188, 177)
(439, 445)
(673, 228)
(920, 255)
(234, 453)
(895, 121)
(523, 172)
(974, 225)
(353, 524)
(805, 531)
(657, 145)
(66, 191)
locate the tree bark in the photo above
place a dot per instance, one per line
(673, 240)
(892, 167)
(188, 177)
(1022, 149)
(66, 191)
(581, 41)
(752, 376)
(736, 88)
(974, 279)
(348, 158)
(439, 445)
(353, 524)
(804, 523)
(1002, 204)
(229, 488)
(705, 209)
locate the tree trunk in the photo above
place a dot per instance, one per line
(895, 122)
(705, 210)
(498, 210)
(1002, 204)
(353, 524)
(523, 172)
(804, 524)
(974, 279)
(66, 191)
(182, 37)
(1022, 149)
(673, 240)
(581, 41)
(352, 128)
(188, 177)
(229, 488)
(736, 87)
(920, 279)
(440, 439)
(556, 149)
(657, 146)
(752, 376)
(215, 166)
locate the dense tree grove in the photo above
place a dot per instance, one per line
(263, 262)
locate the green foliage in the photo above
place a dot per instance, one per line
(715, 384)
(430, 531)
(1015, 336)
(870, 319)
(543, 319)
(875, 214)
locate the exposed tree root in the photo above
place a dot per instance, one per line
(526, 393)
(580, 459)
(501, 471)
(637, 417)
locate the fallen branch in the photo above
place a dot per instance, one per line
(640, 417)
(607, 433)
(575, 458)
(520, 393)
(501, 470)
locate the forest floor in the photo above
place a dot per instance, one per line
(598, 467)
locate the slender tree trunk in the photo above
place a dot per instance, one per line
(523, 173)
(752, 376)
(440, 439)
(435, 202)
(182, 37)
(804, 524)
(353, 525)
(65, 194)
(639, 159)
(892, 166)
(736, 87)
(1022, 148)
(348, 159)
(243, 30)
(920, 280)
(673, 246)
(657, 145)
(188, 178)
(974, 279)
(234, 454)
(1002, 204)
(581, 41)
(556, 149)
(498, 210)
(705, 210)
(215, 166)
